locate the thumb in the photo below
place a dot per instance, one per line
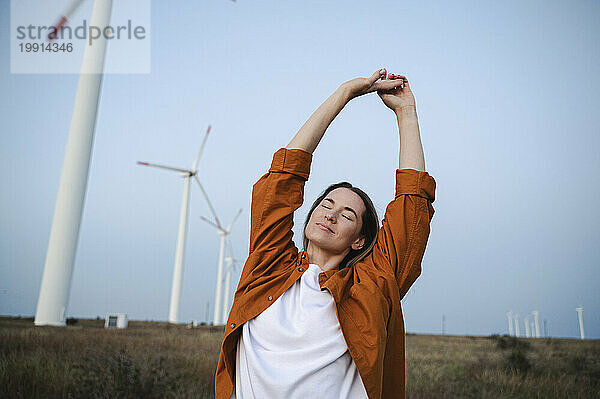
(380, 73)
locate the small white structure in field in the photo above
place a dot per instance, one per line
(115, 320)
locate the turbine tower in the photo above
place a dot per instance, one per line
(231, 263)
(516, 318)
(579, 311)
(218, 318)
(526, 322)
(187, 174)
(536, 316)
(510, 322)
(532, 328)
(68, 210)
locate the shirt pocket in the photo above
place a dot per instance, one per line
(369, 309)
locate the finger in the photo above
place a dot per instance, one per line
(380, 73)
(388, 84)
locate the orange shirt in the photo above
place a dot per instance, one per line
(367, 295)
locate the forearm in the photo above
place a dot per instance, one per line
(411, 149)
(310, 134)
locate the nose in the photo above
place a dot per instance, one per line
(329, 217)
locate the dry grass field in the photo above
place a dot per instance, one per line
(157, 360)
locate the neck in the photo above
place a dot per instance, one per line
(324, 259)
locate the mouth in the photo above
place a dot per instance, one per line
(325, 228)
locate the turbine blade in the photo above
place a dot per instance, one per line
(209, 203)
(72, 8)
(209, 222)
(64, 18)
(195, 167)
(164, 167)
(234, 219)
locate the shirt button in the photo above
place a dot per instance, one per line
(270, 298)
(232, 325)
(300, 269)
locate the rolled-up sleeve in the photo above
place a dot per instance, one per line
(294, 161)
(415, 182)
(275, 197)
(405, 228)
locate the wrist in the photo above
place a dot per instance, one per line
(343, 93)
(406, 112)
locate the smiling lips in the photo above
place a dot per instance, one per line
(323, 227)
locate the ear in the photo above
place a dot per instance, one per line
(358, 244)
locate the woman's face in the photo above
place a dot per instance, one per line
(336, 222)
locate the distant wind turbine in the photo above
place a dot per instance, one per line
(526, 322)
(510, 322)
(218, 314)
(231, 264)
(536, 316)
(187, 174)
(579, 311)
(517, 331)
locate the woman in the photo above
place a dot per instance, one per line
(327, 320)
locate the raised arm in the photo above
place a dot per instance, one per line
(402, 101)
(311, 133)
(404, 233)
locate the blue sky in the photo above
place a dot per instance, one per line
(507, 98)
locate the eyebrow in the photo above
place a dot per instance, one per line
(345, 208)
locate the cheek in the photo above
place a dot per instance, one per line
(316, 215)
(311, 223)
(350, 230)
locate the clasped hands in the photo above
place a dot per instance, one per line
(393, 90)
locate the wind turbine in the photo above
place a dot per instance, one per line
(579, 311)
(526, 322)
(218, 314)
(187, 174)
(231, 263)
(516, 318)
(510, 322)
(62, 245)
(532, 328)
(536, 316)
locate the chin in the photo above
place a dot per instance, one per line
(322, 240)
